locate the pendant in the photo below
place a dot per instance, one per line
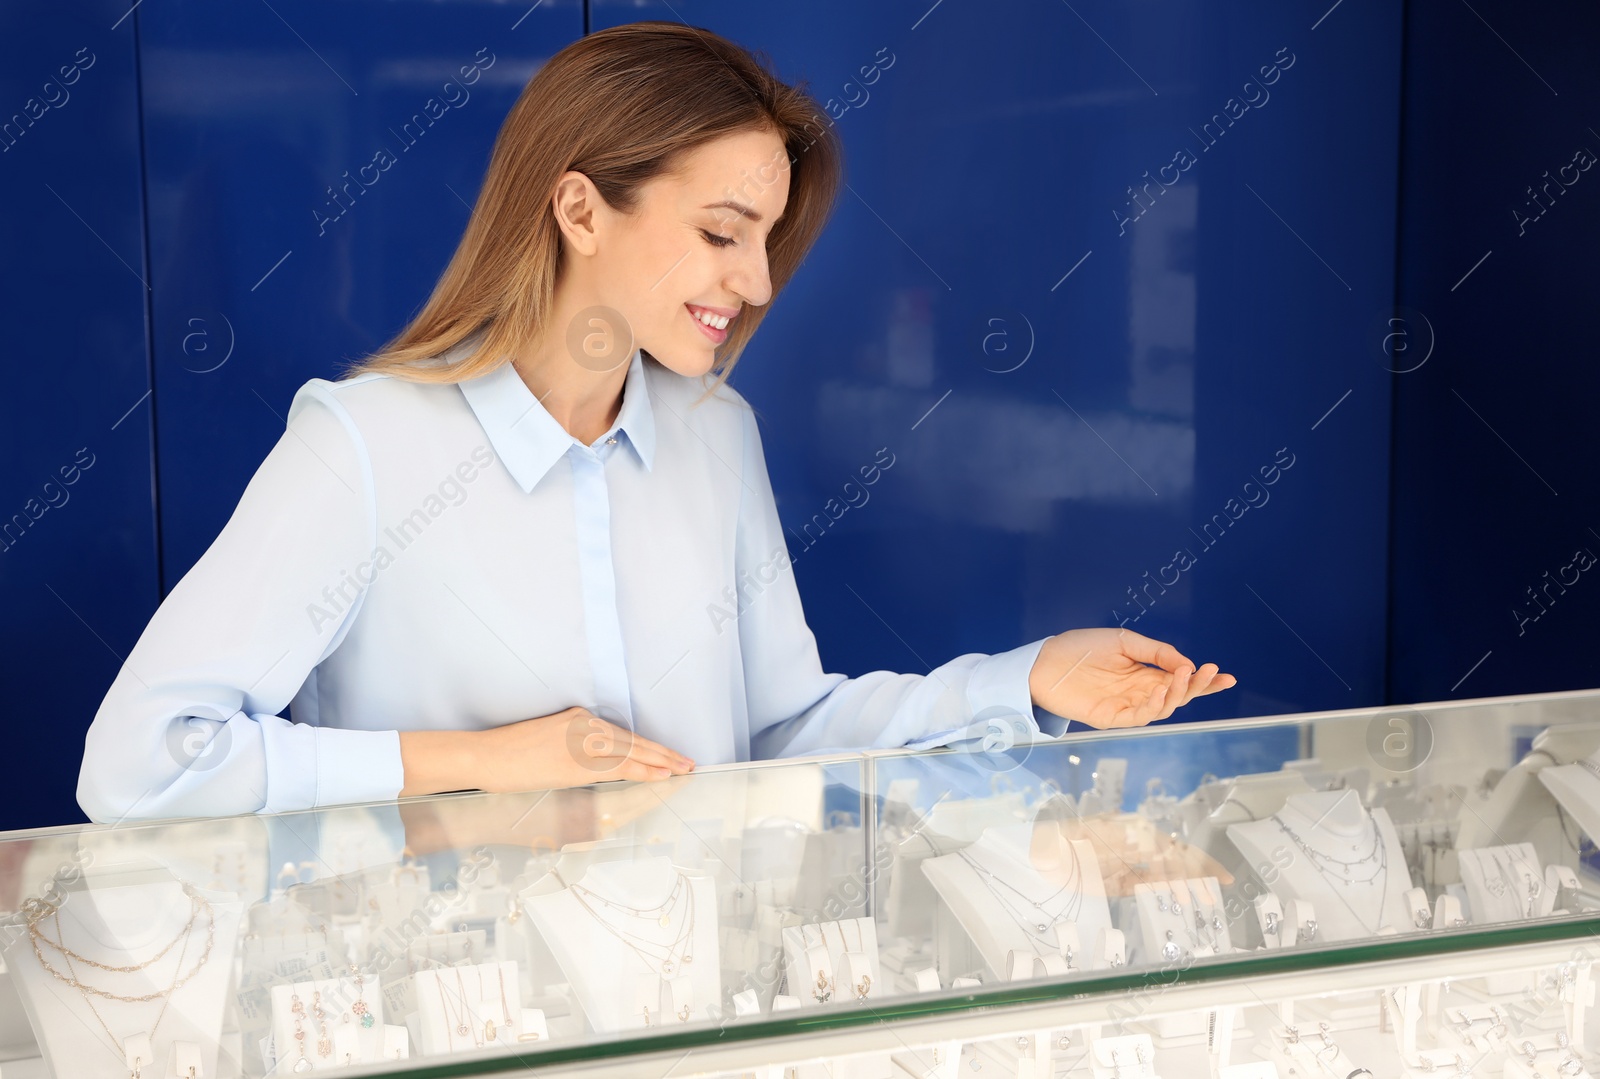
(302, 1065)
(367, 1020)
(1170, 950)
(463, 1030)
(663, 921)
(667, 968)
(324, 1047)
(488, 1030)
(1041, 927)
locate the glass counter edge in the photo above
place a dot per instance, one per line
(870, 757)
(1377, 953)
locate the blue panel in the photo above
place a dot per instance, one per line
(275, 255)
(77, 543)
(1174, 341)
(1494, 435)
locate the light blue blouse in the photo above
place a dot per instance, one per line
(418, 556)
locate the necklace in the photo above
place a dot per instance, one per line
(36, 937)
(1514, 881)
(1322, 858)
(1321, 861)
(1036, 920)
(663, 956)
(36, 913)
(466, 1027)
(505, 1008)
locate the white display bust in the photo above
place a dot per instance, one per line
(1006, 885)
(605, 950)
(120, 925)
(1354, 873)
(1576, 787)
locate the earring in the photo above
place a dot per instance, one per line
(823, 992)
(1170, 950)
(298, 1010)
(683, 1016)
(360, 1008)
(864, 987)
(324, 1043)
(1309, 930)
(1271, 929)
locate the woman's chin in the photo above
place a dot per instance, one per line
(691, 363)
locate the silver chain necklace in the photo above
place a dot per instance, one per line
(1037, 920)
(667, 957)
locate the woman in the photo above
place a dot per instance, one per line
(529, 544)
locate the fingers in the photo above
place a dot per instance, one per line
(1177, 694)
(1149, 650)
(640, 772)
(606, 740)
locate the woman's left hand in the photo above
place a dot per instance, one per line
(1100, 677)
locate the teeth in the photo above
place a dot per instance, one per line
(716, 322)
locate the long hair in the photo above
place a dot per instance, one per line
(622, 106)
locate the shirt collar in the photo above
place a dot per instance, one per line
(529, 440)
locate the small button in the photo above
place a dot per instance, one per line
(611, 441)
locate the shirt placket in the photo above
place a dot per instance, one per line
(598, 574)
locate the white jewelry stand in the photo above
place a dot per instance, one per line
(1576, 787)
(602, 970)
(1168, 913)
(991, 922)
(113, 924)
(824, 948)
(450, 997)
(346, 1034)
(1504, 884)
(1337, 825)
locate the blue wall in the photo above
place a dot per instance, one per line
(1076, 380)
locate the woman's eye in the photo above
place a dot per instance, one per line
(715, 240)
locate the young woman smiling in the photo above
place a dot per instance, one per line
(527, 502)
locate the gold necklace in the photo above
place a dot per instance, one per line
(36, 938)
(166, 996)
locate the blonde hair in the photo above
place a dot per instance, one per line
(623, 106)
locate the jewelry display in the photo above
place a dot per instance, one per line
(662, 912)
(1032, 915)
(666, 956)
(100, 986)
(605, 924)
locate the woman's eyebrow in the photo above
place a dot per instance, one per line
(736, 208)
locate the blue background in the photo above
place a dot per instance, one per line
(1070, 397)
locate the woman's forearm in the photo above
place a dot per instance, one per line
(438, 761)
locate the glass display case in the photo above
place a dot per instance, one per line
(1379, 892)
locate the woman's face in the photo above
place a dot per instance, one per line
(697, 241)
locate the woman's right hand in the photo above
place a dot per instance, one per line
(571, 748)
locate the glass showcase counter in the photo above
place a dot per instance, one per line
(1396, 892)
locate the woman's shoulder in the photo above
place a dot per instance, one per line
(377, 394)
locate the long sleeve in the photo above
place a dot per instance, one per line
(795, 708)
(189, 726)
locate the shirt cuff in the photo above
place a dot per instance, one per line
(998, 690)
(358, 766)
(310, 766)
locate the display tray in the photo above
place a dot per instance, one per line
(1401, 890)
